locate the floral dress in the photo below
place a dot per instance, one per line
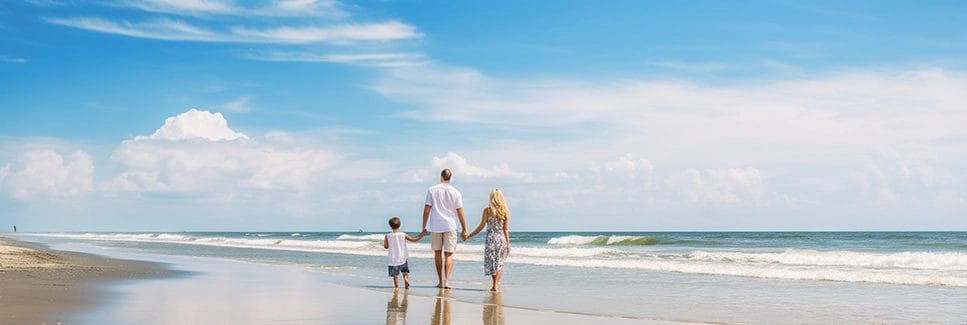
(495, 251)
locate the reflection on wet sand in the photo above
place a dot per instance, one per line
(493, 309)
(396, 309)
(441, 310)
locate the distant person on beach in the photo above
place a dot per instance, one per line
(443, 206)
(14, 228)
(395, 241)
(495, 216)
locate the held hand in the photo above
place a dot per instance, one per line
(464, 235)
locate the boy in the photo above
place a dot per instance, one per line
(395, 242)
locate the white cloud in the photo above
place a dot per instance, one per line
(731, 186)
(282, 8)
(384, 60)
(462, 168)
(195, 124)
(184, 6)
(809, 118)
(345, 33)
(690, 66)
(415, 176)
(3, 173)
(626, 164)
(45, 173)
(911, 177)
(159, 28)
(6, 59)
(238, 105)
(192, 166)
(950, 199)
(176, 30)
(167, 162)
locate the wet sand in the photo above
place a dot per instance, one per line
(48, 286)
(43, 286)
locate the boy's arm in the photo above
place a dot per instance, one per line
(385, 242)
(414, 239)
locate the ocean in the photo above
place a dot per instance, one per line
(719, 277)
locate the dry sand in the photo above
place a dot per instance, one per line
(43, 286)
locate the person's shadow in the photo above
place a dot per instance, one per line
(441, 310)
(493, 309)
(396, 309)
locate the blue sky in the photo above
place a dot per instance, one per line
(619, 115)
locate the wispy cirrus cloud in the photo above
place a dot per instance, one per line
(854, 109)
(345, 33)
(7, 59)
(690, 66)
(177, 30)
(278, 8)
(160, 29)
(386, 60)
(238, 105)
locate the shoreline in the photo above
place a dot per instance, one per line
(39, 285)
(240, 292)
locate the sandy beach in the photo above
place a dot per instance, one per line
(335, 278)
(54, 286)
(43, 286)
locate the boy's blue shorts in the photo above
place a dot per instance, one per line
(395, 270)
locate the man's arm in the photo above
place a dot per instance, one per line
(426, 216)
(463, 223)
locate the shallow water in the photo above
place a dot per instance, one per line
(787, 277)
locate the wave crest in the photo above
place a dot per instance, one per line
(613, 240)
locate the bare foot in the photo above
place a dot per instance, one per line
(494, 289)
(439, 286)
(406, 284)
(446, 286)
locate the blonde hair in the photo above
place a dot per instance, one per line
(498, 206)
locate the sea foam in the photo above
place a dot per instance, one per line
(604, 240)
(907, 268)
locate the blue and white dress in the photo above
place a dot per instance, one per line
(495, 251)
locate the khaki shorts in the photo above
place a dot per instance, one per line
(445, 241)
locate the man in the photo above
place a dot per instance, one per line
(444, 205)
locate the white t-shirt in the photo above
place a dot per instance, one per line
(397, 248)
(444, 200)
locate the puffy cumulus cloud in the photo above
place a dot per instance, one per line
(629, 164)
(908, 177)
(195, 124)
(193, 152)
(727, 186)
(463, 168)
(189, 166)
(626, 164)
(46, 174)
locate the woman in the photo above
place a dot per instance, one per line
(495, 217)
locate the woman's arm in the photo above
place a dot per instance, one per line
(385, 242)
(507, 233)
(483, 222)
